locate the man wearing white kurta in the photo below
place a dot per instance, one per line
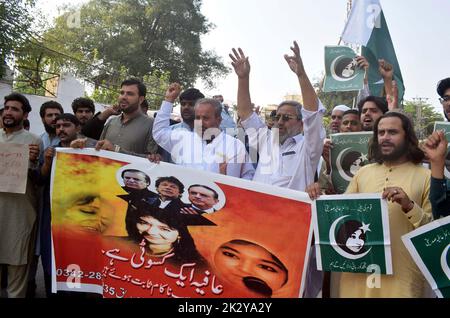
(289, 153)
(207, 147)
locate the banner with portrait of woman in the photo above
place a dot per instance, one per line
(123, 227)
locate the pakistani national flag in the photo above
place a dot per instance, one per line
(429, 246)
(352, 234)
(348, 155)
(367, 27)
(445, 126)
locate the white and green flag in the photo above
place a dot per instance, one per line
(445, 126)
(352, 234)
(342, 73)
(348, 155)
(429, 246)
(367, 27)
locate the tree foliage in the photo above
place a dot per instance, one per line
(145, 37)
(424, 126)
(332, 99)
(14, 18)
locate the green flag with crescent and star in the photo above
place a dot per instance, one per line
(342, 73)
(348, 155)
(445, 126)
(429, 246)
(352, 234)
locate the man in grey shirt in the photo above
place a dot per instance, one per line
(131, 132)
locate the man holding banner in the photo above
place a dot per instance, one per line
(406, 185)
(17, 208)
(399, 175)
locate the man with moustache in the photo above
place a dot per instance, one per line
(370, 109)
(131, 132)
(67, 128)
(207, 147)
(399, 175)
(188, 98)
(18, 211)
(288, 156)
(84, 109)
(48, 112)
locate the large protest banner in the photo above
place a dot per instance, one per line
(348, 155)
(13, 167)
(341, 70)
(116, 233)
(352, 234)
(445, 126)
(429, 246)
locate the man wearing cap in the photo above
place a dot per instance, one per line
(336, 118)
(443, 90)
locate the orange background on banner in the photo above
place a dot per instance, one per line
(279, 225)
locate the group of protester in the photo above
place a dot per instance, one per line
(288, 156)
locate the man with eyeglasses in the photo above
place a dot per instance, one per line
(290, 152)
(443, 90)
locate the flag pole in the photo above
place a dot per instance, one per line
(349, 10)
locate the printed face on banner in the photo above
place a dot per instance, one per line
(349, 154)
(342, 71)
(145, 230)
(353, 234)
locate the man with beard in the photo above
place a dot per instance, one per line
(83, 109)
(49, 111)
(444, 91)
(370, 109)
(131, 132)
(17, 211)
(288, 155)
(188, 98)
(68, 129)
(399, 175)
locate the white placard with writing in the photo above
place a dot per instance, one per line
(13, 167)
